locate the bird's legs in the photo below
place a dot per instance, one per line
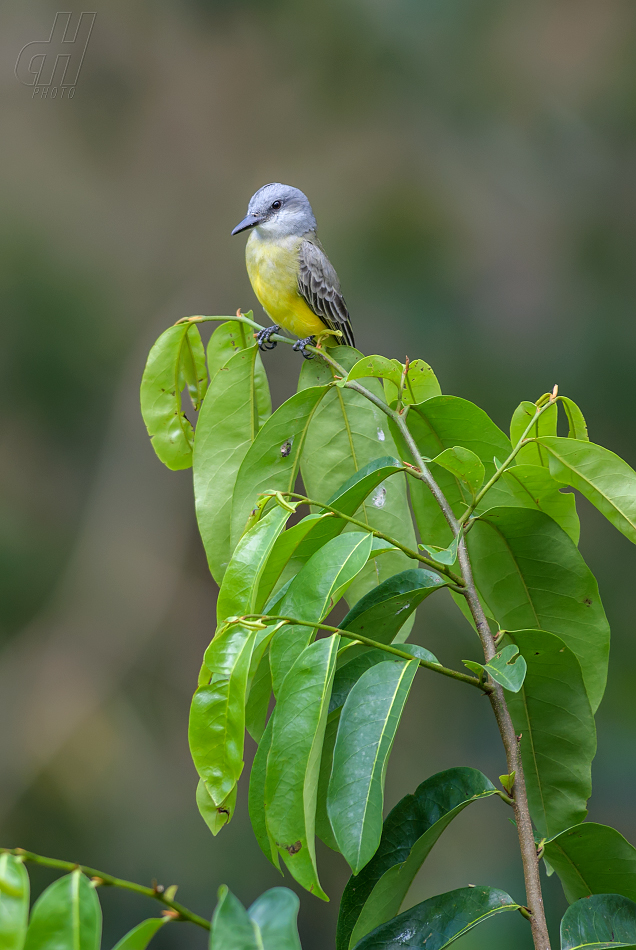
(301, 344)
(263, 337)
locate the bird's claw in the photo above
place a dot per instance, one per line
(263, 337)
(300, 345)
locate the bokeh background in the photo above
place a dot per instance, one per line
(473, 169)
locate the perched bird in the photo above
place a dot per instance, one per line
(289, 270)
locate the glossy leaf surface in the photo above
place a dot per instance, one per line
(273, 459)
(293, 763)
(232, 928)
(604, 478)
(14, 902)
(439, 921)
(170, 431)
(465, 465)
(217, 715)
(312, 594)
(593, 859)
(532, 486)
(256, 797)
(193, 371)
(506, 668)
(577, 426)
(226, 427)
(66, 916)
(368, 724)
(239, 590)
(597, 922)
(275, 913)
(546, 424)
(410, 831)
(558, 738)
(346, 433)
(140, 936)
(229, 338)
(442, 423)
(533, 577)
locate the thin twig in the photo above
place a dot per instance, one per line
(100, 877)
(367, 641)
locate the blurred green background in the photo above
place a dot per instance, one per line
(472, 166)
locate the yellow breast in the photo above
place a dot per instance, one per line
(272, 267)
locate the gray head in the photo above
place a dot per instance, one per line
(278, 211)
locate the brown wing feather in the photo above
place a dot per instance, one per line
(319, 285)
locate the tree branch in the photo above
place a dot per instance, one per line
(99, 877)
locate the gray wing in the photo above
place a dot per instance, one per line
(319, 285)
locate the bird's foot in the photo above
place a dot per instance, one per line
(301, 344)
(263, 337)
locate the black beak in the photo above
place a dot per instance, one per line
(249, 221)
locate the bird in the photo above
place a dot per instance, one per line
(291, 275)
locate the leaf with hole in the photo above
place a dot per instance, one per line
(169, 429)
(411, 829)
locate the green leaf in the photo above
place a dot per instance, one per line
(256, 797)
(66, 916)
(604, 920)
(377, 366)
(593, 859)
(312, 594)
(215, 816)
(368, 725)
(278, 564)
(227, 426)
(546, 424)
(346, 434)
(421, 384)
(604, 478)
(239, 589)
(533, 577)
(217, 715)
(410, 831)
(558, 738)
(192, 369)
(140, 936)
(442, 555)
(503, 668)
(232, 928)
(170, 431)
(14, 902)
(323, 826)
(260, 691)
(444, 422)
(229, 338)
(272, 460)
(465, 465)
(531, 486)
(382, 613)
(293, 763)
(275, 913)
(577, 426)
(439, 921)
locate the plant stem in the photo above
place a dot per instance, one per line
(441, 568)
(394, 651)
(534, 897)
(155, 892)
(499, 472)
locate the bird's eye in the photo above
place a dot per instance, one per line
(276, 205)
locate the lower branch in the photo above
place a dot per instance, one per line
(175, 910)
